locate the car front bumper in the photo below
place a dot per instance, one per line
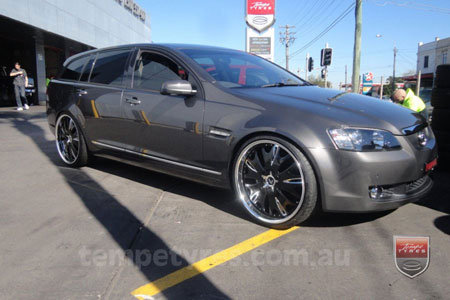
(346, 177)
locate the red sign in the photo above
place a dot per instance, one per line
(260, 14)
(411, 254)
(258, 7)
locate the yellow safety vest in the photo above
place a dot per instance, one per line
(413, 102)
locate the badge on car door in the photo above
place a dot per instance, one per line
(411, 254)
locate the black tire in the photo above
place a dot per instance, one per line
(442, 79)
(443, 140)
(296, 162)
(441, 119)
(440, 98)
(72, 156)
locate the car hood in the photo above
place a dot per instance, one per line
(345, 109)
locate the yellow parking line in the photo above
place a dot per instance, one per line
(172, 279)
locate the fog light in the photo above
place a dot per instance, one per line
(376, 192)
(422, 138)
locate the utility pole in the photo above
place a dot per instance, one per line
(306, 66)
(287, 38)
(357, 47)
(393, 69)
(326, 70)
(346, 78)
(419, 78)
(381, 88)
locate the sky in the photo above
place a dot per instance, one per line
(399, 23)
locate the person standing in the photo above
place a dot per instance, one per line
(20, 82)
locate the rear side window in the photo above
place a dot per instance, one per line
(109, 67)
(151, 70)
(87, 69)
(74, 69)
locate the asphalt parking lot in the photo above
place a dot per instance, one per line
(109, 230)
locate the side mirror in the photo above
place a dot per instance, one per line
(177, 87)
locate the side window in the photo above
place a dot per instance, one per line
(109, 67)
(73, 70)
(87, 69)
(151, 70)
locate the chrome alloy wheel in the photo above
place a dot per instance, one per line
(67, 139)
(270, 181)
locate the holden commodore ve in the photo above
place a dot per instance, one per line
(234, 120)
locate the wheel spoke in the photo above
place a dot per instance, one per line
(284, 200)
(289, 172)
(72, 151)
(266, 158)
(292, 185)
(275, 155)
(71, 125)
(280, 207)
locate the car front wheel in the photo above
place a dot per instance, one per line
(274, 182)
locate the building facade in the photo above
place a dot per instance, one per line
(41, 34)
(431, 55)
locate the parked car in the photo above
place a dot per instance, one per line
(425, 95)
(30, 90)
(234, 120)
(6, 87)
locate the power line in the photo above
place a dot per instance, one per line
(416, 5)
(326, 30)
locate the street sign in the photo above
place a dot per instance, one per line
(260, 14)
(367, 83)
(261, 44)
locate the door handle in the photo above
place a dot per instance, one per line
(81, 92)
(133, 101)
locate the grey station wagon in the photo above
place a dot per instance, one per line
(234, 120)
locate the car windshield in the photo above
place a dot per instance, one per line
(234, 69)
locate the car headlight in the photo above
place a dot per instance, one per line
(363, 140)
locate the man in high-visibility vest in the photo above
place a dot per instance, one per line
(408, 100)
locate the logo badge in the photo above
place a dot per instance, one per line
(260, 14)
(411, 254)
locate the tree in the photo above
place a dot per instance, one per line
(409, 73)
(317, 80)
(387, 87)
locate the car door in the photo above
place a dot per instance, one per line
(165, 126)
(99, 95)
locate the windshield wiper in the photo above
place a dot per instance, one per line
(279, 84)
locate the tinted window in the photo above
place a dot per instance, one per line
(87, 69)
(238, 69)
(109, 67)
(151, 70)
(73, 70)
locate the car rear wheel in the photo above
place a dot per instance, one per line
(70, 142)
(274, 182)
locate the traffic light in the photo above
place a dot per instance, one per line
(310, 64)
(325, 57)
(322, 73)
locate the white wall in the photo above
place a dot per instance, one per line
(435, 52)
(97, 23)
